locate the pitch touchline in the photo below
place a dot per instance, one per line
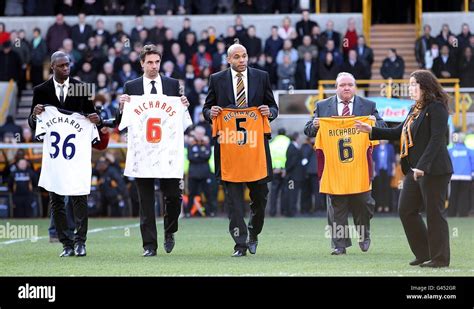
(97, 230)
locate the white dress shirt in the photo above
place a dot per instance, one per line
(234, 84)
(340, 106)
(147, 85)
(57, 88)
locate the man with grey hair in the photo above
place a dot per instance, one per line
(346, 103)
(241, 86)
(63, 93)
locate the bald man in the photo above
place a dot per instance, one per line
(225, 90)
(70, 95)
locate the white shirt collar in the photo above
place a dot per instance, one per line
(148, 81)
(234, 73)
(66, 84)
(339, 100)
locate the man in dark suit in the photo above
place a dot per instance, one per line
(60, 91)
(294, 174)
(306, 76)
(81, 32)
(346, 103)
(257, 91)
(153, 83)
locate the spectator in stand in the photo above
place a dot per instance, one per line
(466, 68)
(157, 33)
(135, 33)
(365, 55)
(463, 166)
(252, 42)
(4, 35)
(39, 51)
(126, 74)
(81, 32)
(287, 50)
(21, 184)
(354, 66)
(431, 55)
(393, 66)
(159, 7)
(350, 39)
(57, 33)
(273, 44)
(286, 73)
(285, 31)
(422, 45)
(190, 46)
(100, 31)
(10, 63)
(443, 36)
(186, 29)
(201, 59)
(316, 38)
(328, 68)
(330, 48)
(463, 37)
(306, 75)
(331, 34)
(445, 66)
(240, 30)
(305, 25)
(180, 67)
(219, 58)
(307, 46)
(11, 129)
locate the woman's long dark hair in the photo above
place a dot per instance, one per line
(431, 89)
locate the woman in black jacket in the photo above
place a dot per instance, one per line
(428, 169)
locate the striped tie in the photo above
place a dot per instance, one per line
(345, 110)
(241, 99)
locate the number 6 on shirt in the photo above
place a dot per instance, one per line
(153, 130)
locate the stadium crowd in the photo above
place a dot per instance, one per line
(296, 56)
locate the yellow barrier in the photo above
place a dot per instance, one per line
(6, 101)
(458, 107)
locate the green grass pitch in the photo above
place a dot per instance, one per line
(287, 247)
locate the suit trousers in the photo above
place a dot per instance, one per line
(361, 207)
(234, 195)
(58, 211)
(429, 192)
(172, 196)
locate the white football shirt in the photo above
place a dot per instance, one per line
(67, 150)
(155, 139)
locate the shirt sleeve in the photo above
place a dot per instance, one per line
(41, 120)
(127, 113)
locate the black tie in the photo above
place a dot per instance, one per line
(153, 89)
(61, 95)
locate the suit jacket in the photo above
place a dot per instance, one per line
(46, 94)
(328, 108)
(221, 93)
(293, 167)
(135, 87)
(429, 152)
(300, 75)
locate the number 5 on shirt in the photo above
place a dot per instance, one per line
(153, 130)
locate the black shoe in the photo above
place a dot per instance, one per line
(364, 245)
(67, 252)
(80, 250)
(149, 252)
(433, 264)
(252, 244)
(338, 251)
(169, 242)
(417, 262)
(239, 253)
